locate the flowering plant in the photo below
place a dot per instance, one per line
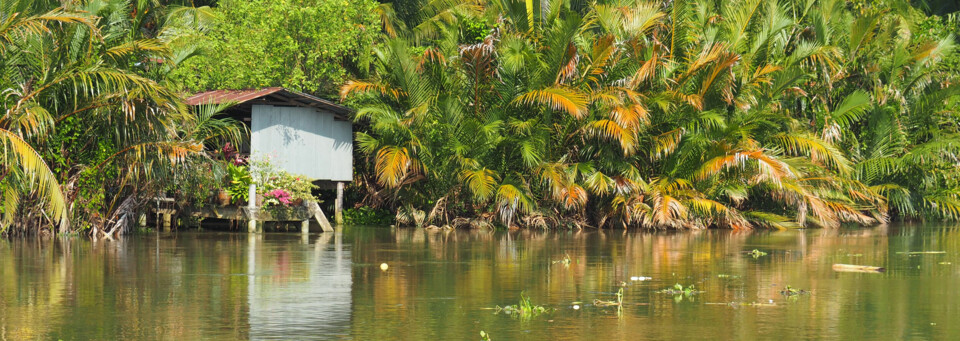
(274, 184)
(232, 156)
(277, 197)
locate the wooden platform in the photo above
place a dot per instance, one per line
(303, 214)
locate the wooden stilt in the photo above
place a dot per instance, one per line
(338, 213)
(252, 210)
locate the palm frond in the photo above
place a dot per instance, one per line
(557, 98)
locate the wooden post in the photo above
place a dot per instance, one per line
(338, 213)
(252, 209)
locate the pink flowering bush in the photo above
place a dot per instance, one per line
(277, 197)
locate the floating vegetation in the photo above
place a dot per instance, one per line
(523, 310)
(484, 336)
(945, 263)
(618, 302)
(727, 276)
(679, 291)
(756, 253)
(922, 253)
(565, 261)
(792, 292)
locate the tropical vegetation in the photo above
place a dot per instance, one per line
(91, 128)
(549, 113)
(661, 114)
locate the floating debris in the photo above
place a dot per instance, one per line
(727, 276)
(678, 290)
(384, 266)
(857, 268)
(922, 253)
(565, 261)
(618, 302)
(790, 292)
(640, 278)
(757, 253)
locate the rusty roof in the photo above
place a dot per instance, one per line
(272, 95)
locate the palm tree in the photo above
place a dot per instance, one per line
(631, 113)
(74, 80)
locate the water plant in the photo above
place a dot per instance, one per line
(523, 310)
(756, 253)
(678, 291)
(792, 292)
(484, 336)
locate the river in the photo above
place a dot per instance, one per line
(446, 285)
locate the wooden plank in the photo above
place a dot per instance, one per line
(320, 217)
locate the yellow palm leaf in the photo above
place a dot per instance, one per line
(17, 152)
(481, 182)
(392, 165)
(610, 129)
(354, 87)
(820, 151)
(562, 99)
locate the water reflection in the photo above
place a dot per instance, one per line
(441, 284)
(302, 292)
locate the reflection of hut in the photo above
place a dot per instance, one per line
(314, 301)
(300, 133)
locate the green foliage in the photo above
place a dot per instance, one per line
(90, 127)
(239, 181)
(524, 310)
(367, 216)
(308, 46)
(681, 114)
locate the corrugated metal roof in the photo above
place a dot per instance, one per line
(223, 96)
(241, 96)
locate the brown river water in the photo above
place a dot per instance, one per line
(445, 285)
